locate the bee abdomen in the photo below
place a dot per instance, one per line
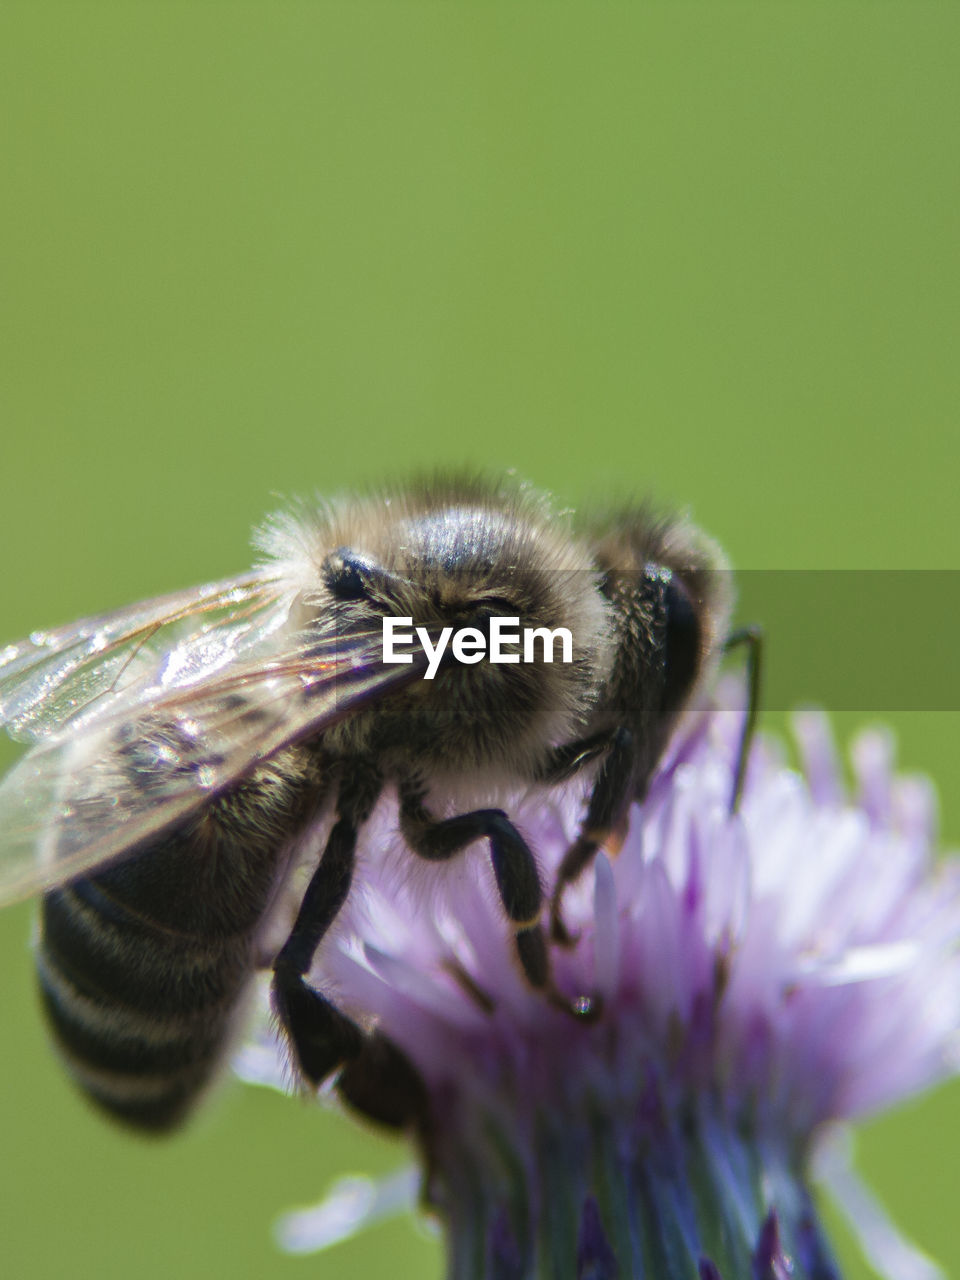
(141, 1012)
(146, 1070)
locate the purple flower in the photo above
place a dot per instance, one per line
(763, 976)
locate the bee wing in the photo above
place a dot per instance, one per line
(54, 677)
(103, 784)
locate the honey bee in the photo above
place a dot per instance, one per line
(184, 749)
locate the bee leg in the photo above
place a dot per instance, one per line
(383, 1085)
(565, 761)
(752, 639)
(516, 874)
(322, 1036)
(610, 800)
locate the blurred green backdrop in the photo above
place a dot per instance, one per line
(249, 249)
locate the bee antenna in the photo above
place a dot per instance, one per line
(751, 638)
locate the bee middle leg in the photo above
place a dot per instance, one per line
(438, 839)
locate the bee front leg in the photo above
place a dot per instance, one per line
(516, 873)
(610, 800)
(565, 761)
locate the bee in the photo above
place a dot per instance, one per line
(185, 749)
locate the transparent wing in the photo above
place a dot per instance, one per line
(106, 783)
(53, 677)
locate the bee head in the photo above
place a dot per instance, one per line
(508, 611)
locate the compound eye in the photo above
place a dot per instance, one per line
(347, 574)
(681, 644)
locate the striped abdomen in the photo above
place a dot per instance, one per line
(142, 965)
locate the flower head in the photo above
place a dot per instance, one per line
(760, 974)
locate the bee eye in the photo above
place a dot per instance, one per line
(681, 644)
(346, 574)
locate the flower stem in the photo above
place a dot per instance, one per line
(678, 1194)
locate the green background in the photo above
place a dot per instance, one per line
(709, 253)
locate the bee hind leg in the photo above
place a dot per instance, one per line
(322, 1037)
(383, 1085)
(516, 875)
